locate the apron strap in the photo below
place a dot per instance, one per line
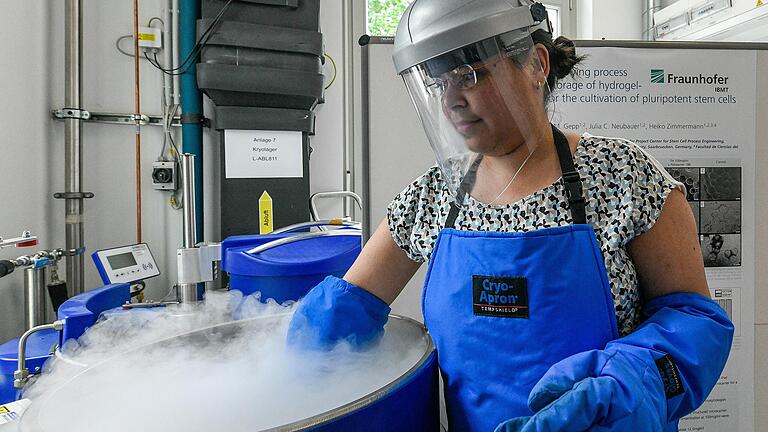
(571, 181)
(466, 184)
(450, 222)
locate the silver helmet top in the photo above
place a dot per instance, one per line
(430, 28)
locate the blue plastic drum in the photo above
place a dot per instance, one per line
(40, 346)
(286, 271)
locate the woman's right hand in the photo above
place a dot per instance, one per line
(337, 311)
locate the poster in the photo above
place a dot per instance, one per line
(695, 111)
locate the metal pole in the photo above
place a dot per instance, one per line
(188, 191)
(35, 297)
(365, 150)
(348, 94)
(188, 292)
(167, 57)
(73, 175)
(175, 48)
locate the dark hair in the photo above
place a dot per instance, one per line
(562, 56)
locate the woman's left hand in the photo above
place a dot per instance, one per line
(644, 381)
(597, 391)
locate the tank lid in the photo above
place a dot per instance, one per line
(304, 257)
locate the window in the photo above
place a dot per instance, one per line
(554, 18)
(383, 16)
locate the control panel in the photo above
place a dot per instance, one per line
(125, 264)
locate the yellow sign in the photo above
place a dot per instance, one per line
(265, 214)
(4, 410)
(760, 3)
(146, 37)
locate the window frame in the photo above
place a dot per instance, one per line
(567, 9)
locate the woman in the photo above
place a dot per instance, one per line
(566, 287)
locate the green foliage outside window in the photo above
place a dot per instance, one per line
(383, 16)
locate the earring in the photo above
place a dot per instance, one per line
(538, 85)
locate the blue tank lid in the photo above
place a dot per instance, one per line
(304, 257)
(40, 348)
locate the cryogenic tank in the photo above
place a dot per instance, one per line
(135, 400)
(286, 265)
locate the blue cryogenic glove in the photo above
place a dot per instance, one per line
(334, 311)
(645, 381)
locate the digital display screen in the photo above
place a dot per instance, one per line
(121, 261)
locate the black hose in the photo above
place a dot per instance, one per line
(6, 267)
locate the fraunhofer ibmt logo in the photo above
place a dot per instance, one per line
(657, 76)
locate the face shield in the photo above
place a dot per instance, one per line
(480, 101)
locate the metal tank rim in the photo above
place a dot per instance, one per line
(369, 399)
(314, 421)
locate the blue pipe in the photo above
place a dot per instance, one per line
(192, 102)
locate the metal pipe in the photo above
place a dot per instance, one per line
(21, 375)
(137, 117)
(365, 148)
(35, 297)
(175, 46)
(167, 57)
(191, 102)
(348, 95)
(188, 192)
(301, 237)
(73, 162)
(187, 293)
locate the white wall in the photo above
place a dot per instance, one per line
(609, 19)
(24, 159)
(32, 144)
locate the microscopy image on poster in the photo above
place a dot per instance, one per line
(714, 194)
(722, 183)
(720, 217)
(696, 209)
(690, 178)
(721, 250)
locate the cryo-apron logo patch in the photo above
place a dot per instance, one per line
(505, 297)
(670, 376)
(657, 76)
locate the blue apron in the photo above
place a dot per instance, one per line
(504, 307)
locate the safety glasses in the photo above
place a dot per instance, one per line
(463, 77)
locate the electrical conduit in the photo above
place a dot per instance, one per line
(137, 116)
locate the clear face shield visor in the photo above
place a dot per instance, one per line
(477, 105)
